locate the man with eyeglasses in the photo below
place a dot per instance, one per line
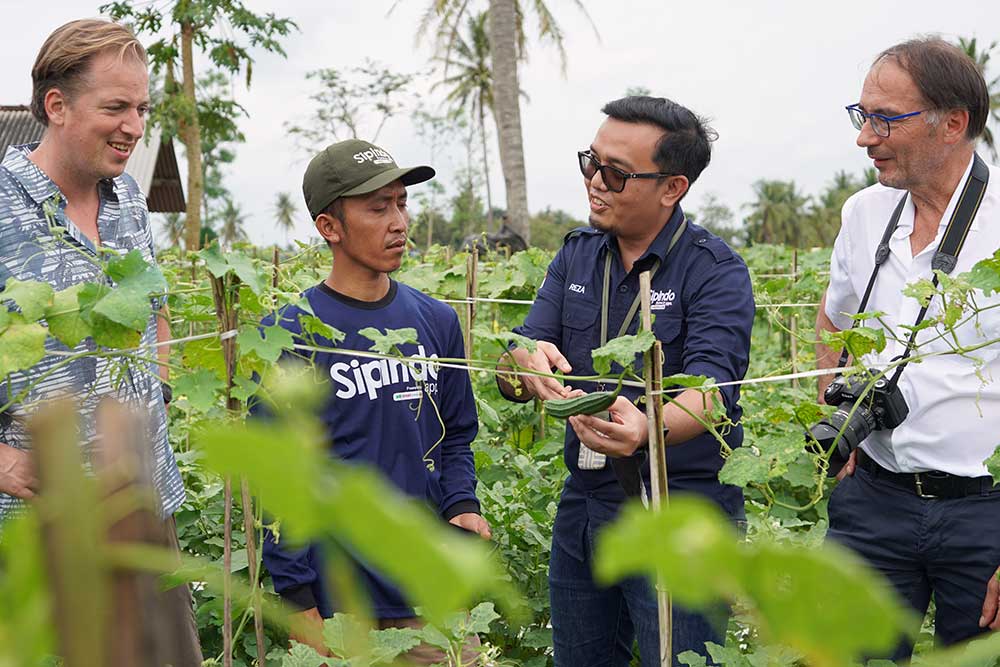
(916, 500)
(642, 162)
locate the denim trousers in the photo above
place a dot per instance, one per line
(948, 547)
(595, 626)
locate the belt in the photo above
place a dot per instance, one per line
(932, 484)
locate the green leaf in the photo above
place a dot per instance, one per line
(985, 275)
(267, 343)
(32, 297)
(743, 467)
(992, 464)
(858, 341)
(480, 618)
(387, 645)
(127, 307)
(685, 380)
(313, 326)
(22, 346)
(480, 334)
(344, 635)
(693, 548)
(134, 272)
(303, 655)
(214, 261)
(199, 388)
(621, 350)
(389, 342)
(65, 318)
(249, 275)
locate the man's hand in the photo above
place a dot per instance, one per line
(627, 431)
(848, 469)
(17, 475)
(306, 627)
(473, 523)
(545, 357)
(991, 617)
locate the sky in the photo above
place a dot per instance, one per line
(772, 76)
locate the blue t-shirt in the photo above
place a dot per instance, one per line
(703, 308)
(371, 418)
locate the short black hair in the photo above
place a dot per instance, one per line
(335, 209)
(686, 145)
(946, 77)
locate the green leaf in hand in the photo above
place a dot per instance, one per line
(621, 350)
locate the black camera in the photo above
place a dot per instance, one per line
(883, 407)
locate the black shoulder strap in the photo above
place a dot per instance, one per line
(881, 254)
(945, 257)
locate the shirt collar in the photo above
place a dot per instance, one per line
(905, 225)
(659, 246)
(37, 183)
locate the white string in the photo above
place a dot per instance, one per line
(525, 302)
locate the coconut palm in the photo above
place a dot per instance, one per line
(778, 215)
(470, 86)
(173, 229)
(284, 213)
(982, 58)
(505, 26)
(232, 230)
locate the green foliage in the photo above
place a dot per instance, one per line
(622, 351)
(692, 548)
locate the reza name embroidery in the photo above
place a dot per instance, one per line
(579, 289)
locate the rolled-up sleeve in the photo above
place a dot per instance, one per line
(719, 320)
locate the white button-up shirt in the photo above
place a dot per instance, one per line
(954, 400)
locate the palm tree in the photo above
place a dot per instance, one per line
(284, 213)
(232, 225)
(173, 229)
(471, 87)
(505, 23)
(778, 215)
(982, 59)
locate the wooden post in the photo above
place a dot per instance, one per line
(793, 322)
(659, 493)
(471, 289)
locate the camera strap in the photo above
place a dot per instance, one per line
(945, 257)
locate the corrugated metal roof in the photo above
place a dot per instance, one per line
(153, 164)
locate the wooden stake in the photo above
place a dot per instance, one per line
(471, 289)
(793, 322)
(659, 493)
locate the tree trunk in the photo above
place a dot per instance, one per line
(190, 135)
(507, 111)
(486, 170)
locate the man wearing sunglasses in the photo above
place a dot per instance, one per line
(641, 163)
(916, 500)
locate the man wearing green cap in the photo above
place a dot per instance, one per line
(357, 196)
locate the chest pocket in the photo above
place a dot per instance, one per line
(668, 330)
(580, 331)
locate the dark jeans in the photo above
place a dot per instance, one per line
(948, 547)
(595, 627)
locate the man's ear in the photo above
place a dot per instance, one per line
(954, 124)
(55, 104)
(329, 227)
(675, 188)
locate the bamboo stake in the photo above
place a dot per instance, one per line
(659, 493)
(793, 323)
(471, 290)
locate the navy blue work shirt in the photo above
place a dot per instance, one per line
(703, 308)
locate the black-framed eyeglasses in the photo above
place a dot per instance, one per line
(613, 177)
(880, 123)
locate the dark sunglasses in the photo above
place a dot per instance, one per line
(613, 177)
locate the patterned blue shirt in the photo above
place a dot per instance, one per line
(61, 255)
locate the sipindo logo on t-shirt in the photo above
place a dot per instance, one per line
(355, 378)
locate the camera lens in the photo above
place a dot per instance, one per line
(855, 429)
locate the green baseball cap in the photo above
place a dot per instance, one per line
(353, 167)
